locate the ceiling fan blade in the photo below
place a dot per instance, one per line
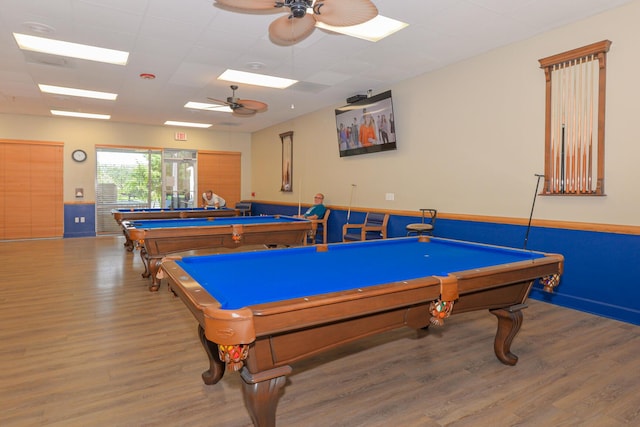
(285, 32)
(243, 112)
(257, 106)
(344, 13)
(248, 4)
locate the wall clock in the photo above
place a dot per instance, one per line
(79, 155)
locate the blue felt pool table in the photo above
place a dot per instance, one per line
(125, 214)
(161, 237)
(277, 312)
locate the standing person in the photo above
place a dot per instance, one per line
(392, 124)
(318, 209)
(212, 200)
(368, 132)
(384, 130)
(355, 140)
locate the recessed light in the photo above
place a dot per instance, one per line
(60, 90)
(208, 107)
(372, 30)
(256, 79)
(81, 115)
(188, 124)
(72, 50)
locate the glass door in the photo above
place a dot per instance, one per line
(179, 177)
(126, 178)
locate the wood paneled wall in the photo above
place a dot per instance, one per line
(220, 171)
(31, 189)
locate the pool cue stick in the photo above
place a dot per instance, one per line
(582, 158)
(350, 201)
(300, 198)
(590, 131)
(526, 237)
(562, 158)
(572, 130)
(556, 133)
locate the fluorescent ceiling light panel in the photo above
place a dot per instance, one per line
(187, 124)
(81, 115)
(373, 30)
(208, 107)
(60, 90)
(256, 79)
(72, 50)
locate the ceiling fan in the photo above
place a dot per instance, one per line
(299, 23)
(242, 107)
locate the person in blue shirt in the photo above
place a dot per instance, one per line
(318, 209)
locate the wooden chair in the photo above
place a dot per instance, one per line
(424, 227)
(319, 226)
(374, 227)
(244, 208)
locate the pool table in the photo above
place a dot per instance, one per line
(161, 237)
(121, 215)
(276, 312)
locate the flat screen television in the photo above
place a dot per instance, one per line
(366, 126)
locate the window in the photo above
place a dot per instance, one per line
(574, 120)
(126, 178)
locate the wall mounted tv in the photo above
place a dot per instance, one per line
(366, 126)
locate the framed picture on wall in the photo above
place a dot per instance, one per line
(287, 161)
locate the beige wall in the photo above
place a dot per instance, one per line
(86, 134)
(471, 137)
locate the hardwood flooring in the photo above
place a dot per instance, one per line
(84, 343)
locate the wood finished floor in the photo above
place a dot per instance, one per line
(84, 343)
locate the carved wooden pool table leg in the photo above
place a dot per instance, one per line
(509, 323)
(154, 267)
(261, 392)
(216, 366)
(145, 261)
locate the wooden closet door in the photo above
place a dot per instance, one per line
(32, 190)
(221, 172)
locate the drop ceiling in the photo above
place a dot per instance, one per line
(187, 44)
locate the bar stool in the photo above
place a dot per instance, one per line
(424, 227)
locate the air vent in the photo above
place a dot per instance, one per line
(46, 59)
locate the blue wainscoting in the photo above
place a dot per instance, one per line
(85, 215)
(601, 271)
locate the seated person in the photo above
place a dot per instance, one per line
(212, 200)
(316, 211)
